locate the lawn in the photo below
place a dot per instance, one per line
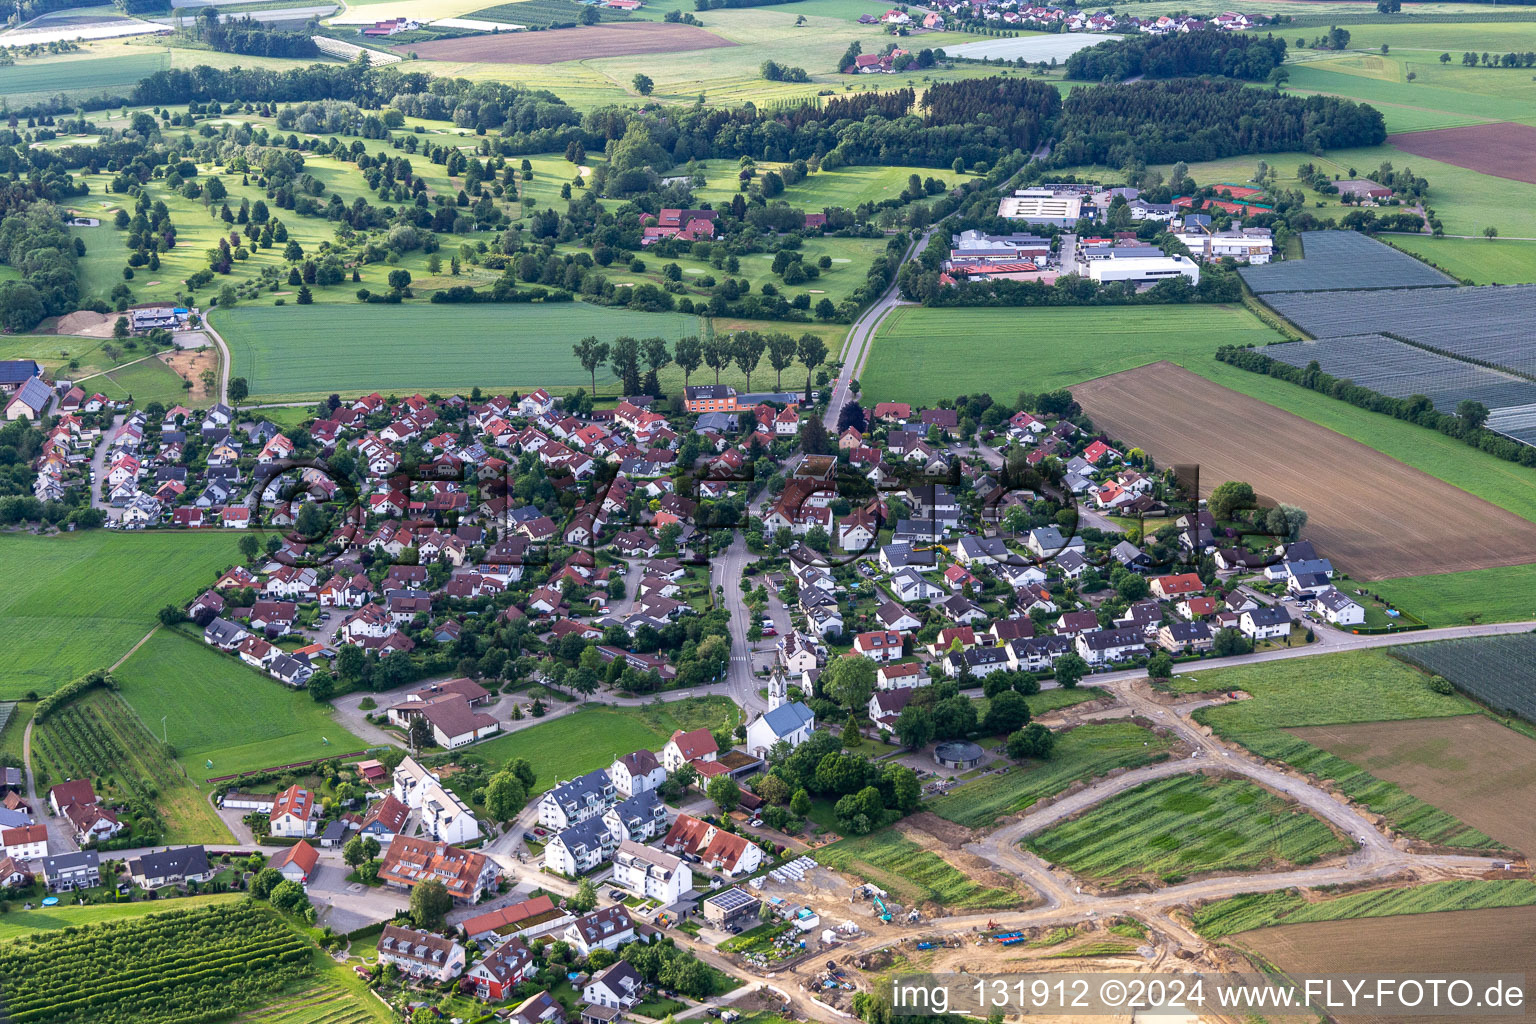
(47, 919)
(1081, 753)
(79, 601)
(593, 737)
(1331, 689)
(1262, 910)
(217, 708)
(910, 873)
(845, 186)
(293, 352)
(1175, 827)
(1477, 260)
(1504, 594)
(922, 355)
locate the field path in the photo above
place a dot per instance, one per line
(61, 838)
(218, 340)
(135, 647)
(856, 349)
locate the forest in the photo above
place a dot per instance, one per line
(249, 36)
(1194, 119)
(1179, 55)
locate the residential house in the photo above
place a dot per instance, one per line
(1265, 623)
(293, 813)
(579, 799)
(650, 873)
(906, 675)
(170, 867)
(296, 863)
(730, 854)
(421, 955)
(68, 871)
(1185, 637)
(1332, 605)
(1110, 645)
(636, 773)
(25, 842)
(685, 747)
(465, 874)
(498, 972)
(879, 645)
(608, 928)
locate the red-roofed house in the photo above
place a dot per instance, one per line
(729, 854)
(297, 862)
(1168, 587)
(293, 813)
(879, 645)
(683, 747)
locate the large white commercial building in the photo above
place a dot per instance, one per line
(1143, 270)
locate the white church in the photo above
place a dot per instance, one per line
(785, 721)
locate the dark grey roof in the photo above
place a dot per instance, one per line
(14, 372)
(65, 862)
(181, 861)
(1105, 639)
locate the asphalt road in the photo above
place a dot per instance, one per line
(856, 348)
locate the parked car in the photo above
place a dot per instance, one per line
(529, 837)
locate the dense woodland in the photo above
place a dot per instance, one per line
(1179, 55)
(1194, 119)
(249, 36)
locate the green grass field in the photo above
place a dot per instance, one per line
(912, 874)
(1331, 689)
(78, 602)
(217, 708)
(922, 355)
(593, 737)
(1081, 753)
(19, 923)
(296, 352)
(77, 75)
(1262, 910)
(1172, 828)
(1478, 260)
(1504, 594)
(845, 186)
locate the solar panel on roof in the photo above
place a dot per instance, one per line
(731, 899)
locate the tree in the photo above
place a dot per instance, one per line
(1279, 76)
(120, 328)
(239, 390)
(624, 360)
(249, 546)
(1007, 712)
(585, 897)
(1070, 669)
(1230, 497)
(781, 353)
(505, 795)
(850, 681)
(850, 56)
(722, 789)
(591, 353)
(1034, 740)
(1160, 666)
(352, 852)
(812, 351)
(1472, 413)
(265, 881)
(718, 351)
(420, 733)
(1490, 232)
(523, 769)
(800, 803)
(322, 687)
(653, 351)
(643, 84)
(288, 897)
(772, 789)
(1229, 642)
(688, 354)
(748, 352)
(430, 903)
(1445, 58)
(906, 792)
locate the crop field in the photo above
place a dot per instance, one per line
(1175, 827)
(1033, 47)
(592, 42)
(915, 875)
(1335, 689)
(540, 13)
(1501, 150)
(1369, 513)
(83, 75)
(1475, 260)
(79, 601)
(842, 186)
(183, 965)
(244, 720)
(295, 352)
(1440, 96)
(1466, 598)
(1439, 944)
(100, 738)
(320, 1004)
(1393, 368)
(1263, 910)
(591, 738)
(922, 355)
(1342, 260)
(40, 920)
(1081, 753)
(1471, 766)
(1499, 671)
(1489, 325)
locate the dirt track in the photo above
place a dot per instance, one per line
(555, 46)
(1502, 150)
(1369, 513)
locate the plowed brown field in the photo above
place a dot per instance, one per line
(1369, 513)
(1502, 150)
(571, 44)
